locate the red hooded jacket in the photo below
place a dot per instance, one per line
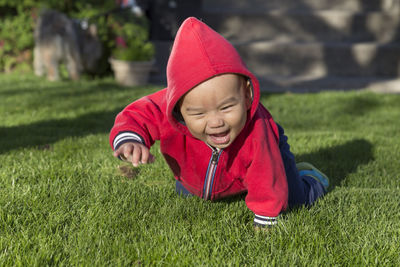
(252, 163)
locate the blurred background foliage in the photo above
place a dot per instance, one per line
(18, 18)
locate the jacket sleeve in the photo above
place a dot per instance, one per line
(140, 121)
(267, 189)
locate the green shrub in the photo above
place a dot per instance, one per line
(16, 38)
(18, 19)
(130, 39)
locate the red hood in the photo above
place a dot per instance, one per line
(198, 54)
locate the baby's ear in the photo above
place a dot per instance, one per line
(248, 94)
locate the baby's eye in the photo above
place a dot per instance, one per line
(227, 107)
(196, 114)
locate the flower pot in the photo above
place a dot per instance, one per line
(131, 73)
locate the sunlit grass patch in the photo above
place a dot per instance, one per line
(65, 201)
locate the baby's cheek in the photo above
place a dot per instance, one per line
(238, 119)
(196, 129)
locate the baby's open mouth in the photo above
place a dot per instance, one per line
(220, 138)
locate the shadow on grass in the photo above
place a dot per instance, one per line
(107, 87)
(42, 134)
(339, 161)
(336, 162)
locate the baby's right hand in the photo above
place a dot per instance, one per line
(135, 153)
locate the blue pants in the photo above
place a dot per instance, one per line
(303, 190)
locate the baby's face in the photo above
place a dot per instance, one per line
(215, 111)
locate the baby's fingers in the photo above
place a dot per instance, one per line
(124, 152)
(136, 156)
(151, 158)
(147, 157)
(121, 152)
(135, 153)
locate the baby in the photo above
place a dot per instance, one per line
(215, 135)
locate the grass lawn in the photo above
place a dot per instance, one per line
(65, 201)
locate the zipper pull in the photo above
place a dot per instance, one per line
(215, 156)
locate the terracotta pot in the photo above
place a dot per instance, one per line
(131, 73)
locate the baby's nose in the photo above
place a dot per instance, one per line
(215, 122)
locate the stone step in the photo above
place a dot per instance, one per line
(315, 58)
(309, 84)
(300, 82)
(348, 5)
(328, 25)
(304, 59)
(304, 84)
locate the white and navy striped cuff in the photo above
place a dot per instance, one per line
(263, 221)
(124, 137)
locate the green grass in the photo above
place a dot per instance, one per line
(63, 200)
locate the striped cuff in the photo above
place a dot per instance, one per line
(263, 221)
(124, 137)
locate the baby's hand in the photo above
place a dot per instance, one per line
(135, 153)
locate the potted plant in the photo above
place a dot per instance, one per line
(132, 54)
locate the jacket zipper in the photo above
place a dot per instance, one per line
(212, 167)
